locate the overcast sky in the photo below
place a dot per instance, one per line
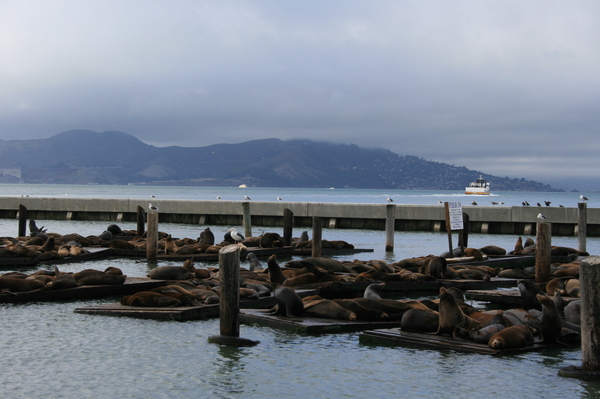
(510, 88)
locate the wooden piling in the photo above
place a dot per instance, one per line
(589, 276)
(390, 226)
(448, 229)
(246, 219)
(152, 237)
(229, 273)
(22, 221)
(581, 226)
(140, 216)
(317, 234)
(542, 252)
(288, 224)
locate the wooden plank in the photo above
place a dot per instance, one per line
(93, 254)
(131, 286)
(181, 313)
(397, 337)
(310, 325)
(501, 297)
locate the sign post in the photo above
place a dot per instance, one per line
(454, 220)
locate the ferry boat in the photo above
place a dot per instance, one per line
(242, 186)
(479, 187)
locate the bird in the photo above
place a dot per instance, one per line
(538, 204)
(279, 199)
(440, 202)
(501, 203)
(494, 203)
(218, 197)
(561, 206)
(473, 203)
(388, 199)
(583, 198)
(542, 216)
(247, 198)
(547, 203)
(152, 196)
(237, 237)
(152, 207)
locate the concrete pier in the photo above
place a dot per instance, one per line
(482, 219)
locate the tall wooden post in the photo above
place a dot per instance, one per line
(22, 221)
(542, 252)
(463, 238)
(229, 272)
(140, 221)
(246, 219)
(288, 224)
(589, 276)
(582, 226)
(390, 227)
(317, 233)
(448, 228)
(152, 237)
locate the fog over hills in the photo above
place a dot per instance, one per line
(83, 157)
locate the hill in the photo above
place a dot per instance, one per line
(83, 157)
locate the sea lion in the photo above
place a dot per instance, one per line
(328, 309)
(481, 336)
(270, 240)
(150, 299)
(492, 250)
(516, 274)
(34, 229)
(517, 336)
(289, 304)
(551, 323)
(474, 252)
(373, 291)
(529, 290)
(20, 285)
(114, 229)
(362, 313)
(420, 320)
(394, 309)
(48, 245)
(254, 262)
(207, 237)
(106, 235)
(170, 273)
(436, 267)
(62, 282)
(572, 287)
(518, 245)
(323, 263)
(452, 316)
(381, 266)
(170, 246)
(472, 274)
(102, 279)
(573, 312)
(276, 276)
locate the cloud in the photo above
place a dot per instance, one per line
(509, 88)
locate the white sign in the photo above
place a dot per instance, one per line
(456, 217)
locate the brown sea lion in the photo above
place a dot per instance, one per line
(323, 263)
(572, 287)
(529, 289)
(373, 291)
(474, 252)
(472, 274)
(207, 237)
(276, 276)
(481, 336)
(435, 267)
(62, 282)
(328, 309)
(551, 323)
(362, 313)
(518, 245)
(170, 246)
(170, 273)
(20, 285)
(150, 299)
(451, 315)
(289, 304)
(492, 250)
(270, 240)
(420, 320)
(515, 273)
(518, 336)
(102, 279)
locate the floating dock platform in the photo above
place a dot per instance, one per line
(310, 325)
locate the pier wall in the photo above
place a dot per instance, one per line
(482, 219)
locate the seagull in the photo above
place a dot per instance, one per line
(440, 202)
(473, 203)
(152, 207)
(542, 216)
(279, 199)
(538, 204)
(247, 198)
(561, 206)
(501, 203)
(583, 198)
(152, 196)
(218, 197)
(494, 203)
(389, 199)
(547, 203)
(237, 237)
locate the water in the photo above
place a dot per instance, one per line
(49, 351)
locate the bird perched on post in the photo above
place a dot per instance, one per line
(237, 237)
(279, 199)
(152, 207)
(473, 203)
(542, 216)
(583, 198)
(247, 198)
(388, 199)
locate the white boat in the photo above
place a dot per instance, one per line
(242, 186)
(479, 187)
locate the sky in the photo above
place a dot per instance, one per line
(509, 88)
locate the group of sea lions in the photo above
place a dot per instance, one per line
(14, 282)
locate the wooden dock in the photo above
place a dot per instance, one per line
(131, 286)
(310, 325)
(397, 337)
(401, 289)
(180, 313)
(501, 297)
(93, 254)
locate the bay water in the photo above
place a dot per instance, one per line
(51, 352)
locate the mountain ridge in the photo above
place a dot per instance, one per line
(112, 157)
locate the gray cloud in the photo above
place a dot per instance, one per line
(508, 88)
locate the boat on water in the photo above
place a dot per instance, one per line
(242, 186)
(478, 187)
